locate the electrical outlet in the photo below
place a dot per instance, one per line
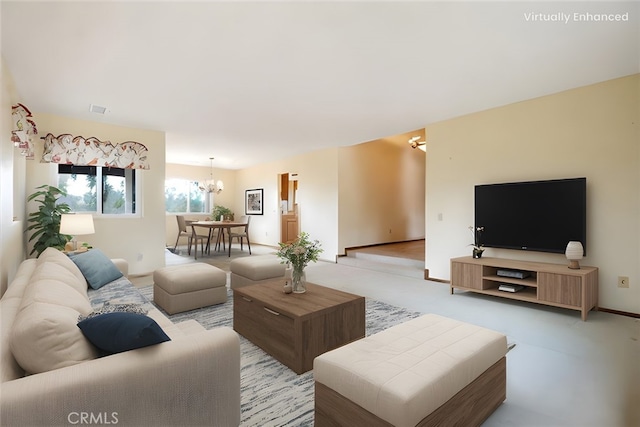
(623, 281)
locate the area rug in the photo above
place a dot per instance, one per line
(271, 393)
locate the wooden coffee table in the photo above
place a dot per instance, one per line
(295, 328)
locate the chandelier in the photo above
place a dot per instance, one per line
(416, 143)
(211, 185)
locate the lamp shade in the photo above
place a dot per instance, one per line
(76, 224)
(574, 253)
(211, 185)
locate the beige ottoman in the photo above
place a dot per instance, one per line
(428, 371)
(186, 287)
(252, 269)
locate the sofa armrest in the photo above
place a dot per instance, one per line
(122, 265)
(193, 380)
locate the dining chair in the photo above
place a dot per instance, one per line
(241, 233)
(216, 234)
(182, 230)
(191, 236)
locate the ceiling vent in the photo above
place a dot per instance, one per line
(97, 109)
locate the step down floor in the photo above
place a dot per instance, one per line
(383, 263)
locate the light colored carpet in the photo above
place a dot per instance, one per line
(271, 393)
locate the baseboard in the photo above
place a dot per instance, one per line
(619, 312)
(353, 248)
(434, 279)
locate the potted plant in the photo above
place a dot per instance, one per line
(476, 232)
(220, 211)
(45, 222)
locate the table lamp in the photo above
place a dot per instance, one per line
(76, 225)
(574, 253)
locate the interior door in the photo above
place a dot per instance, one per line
(289, 223)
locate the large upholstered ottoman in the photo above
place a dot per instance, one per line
(186, 287)
(428, 371)
(253, 269)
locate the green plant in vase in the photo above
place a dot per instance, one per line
(220, 211)
(298, 255)
(45, 222)
(478, 249)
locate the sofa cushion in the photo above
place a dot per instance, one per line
(119, 331)
(45, 337)
(258, 267)
(54, 284)
(96, 267)
(65, 269)
(9, 307)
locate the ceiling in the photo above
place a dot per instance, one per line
(249, 82)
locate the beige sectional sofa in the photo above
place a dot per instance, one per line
(52, 375)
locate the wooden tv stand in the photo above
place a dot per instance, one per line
(549, 284)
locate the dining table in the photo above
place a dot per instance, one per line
(213, 225)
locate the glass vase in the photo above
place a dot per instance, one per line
(299, 281)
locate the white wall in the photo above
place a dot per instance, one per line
(139, 240)
(590, 131)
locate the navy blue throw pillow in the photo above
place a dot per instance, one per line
(121, 331)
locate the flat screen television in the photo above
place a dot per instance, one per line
(538, 216)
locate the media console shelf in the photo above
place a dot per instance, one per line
(549, 284)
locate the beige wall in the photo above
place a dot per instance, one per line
(347, 196)
(12, 195)
(381, 193)
(590, 131)
(317, 198)
(139, 240)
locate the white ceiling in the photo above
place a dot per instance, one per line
(248, 82)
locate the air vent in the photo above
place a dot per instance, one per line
(97, 109)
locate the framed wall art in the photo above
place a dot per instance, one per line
(253, 201)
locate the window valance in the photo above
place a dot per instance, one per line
(23, 127)
(77, 150)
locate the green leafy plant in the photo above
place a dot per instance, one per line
(219, 210)
(45, 222)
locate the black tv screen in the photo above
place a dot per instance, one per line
(535, 216)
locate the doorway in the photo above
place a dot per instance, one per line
(289, 209)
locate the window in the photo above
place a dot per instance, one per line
(116, 194)
(183, 196)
